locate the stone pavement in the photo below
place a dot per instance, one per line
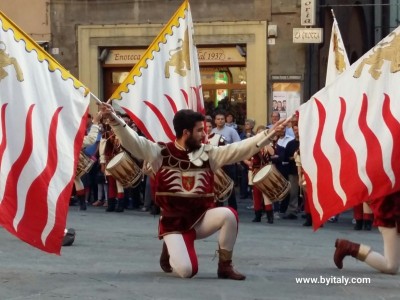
(115, 256)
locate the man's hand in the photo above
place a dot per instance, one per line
(97, 118)
(279, 127)
(108, 113)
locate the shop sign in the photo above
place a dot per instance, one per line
(124, 56)
(205, 55)
(308, 35)
(308, 12)
(220, 55)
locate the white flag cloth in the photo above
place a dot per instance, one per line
(42, 120)
(165, 80)
(338, 61)
(349, 132)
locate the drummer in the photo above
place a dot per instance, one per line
(187, 203)
(109, 148)
(255, 163)
(88, 140)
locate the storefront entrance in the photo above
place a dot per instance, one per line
(223, 77)
(224, 88)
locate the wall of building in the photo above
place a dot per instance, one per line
(285, 58)
(357, 27)
(136, 24)
(66, 15)
(58, 21)
(31, 16)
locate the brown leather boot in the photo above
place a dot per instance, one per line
(225, 267)
(345, 248)
(164, 259)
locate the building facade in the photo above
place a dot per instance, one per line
(247, 56)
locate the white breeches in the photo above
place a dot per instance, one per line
(390, 261)
(183, 258)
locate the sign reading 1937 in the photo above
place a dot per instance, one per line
(224, 54)
(211, 54)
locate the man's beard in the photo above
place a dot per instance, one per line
(192, 144)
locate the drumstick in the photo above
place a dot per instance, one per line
(272, 133)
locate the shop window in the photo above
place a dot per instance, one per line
(119, 77)
(225, 88)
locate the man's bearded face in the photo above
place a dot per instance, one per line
(192, 143)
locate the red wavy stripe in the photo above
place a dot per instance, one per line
(199, 100)
(350, 179)
(172, 103)
(310, 201)
(327, 196)
(36, 212)
(394, 127)
(62, 206)
(186, 97)
(3, 144)
(139, 124)
(374, 164)
(162, 120)
(8, 207)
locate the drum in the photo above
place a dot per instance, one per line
(85, 163)
(272, 183)
(223, 185)
(125, 170)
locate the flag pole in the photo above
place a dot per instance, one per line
(333, 14)
(98, 101)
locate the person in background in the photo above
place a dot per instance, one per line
(255, 163)
(109, 147)
(230, 121)
(275, 117)
(282, 165)
(230, 136)
(291, 148)
(244, 169)
(363, 216)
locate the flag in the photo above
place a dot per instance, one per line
(338, 61)
(349, 132)
(165, 80)
(42, 124)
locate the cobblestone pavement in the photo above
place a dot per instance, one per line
(115, 256)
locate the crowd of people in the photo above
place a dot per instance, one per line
(235, 159)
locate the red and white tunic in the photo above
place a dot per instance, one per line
(184, 191)
(184, 180)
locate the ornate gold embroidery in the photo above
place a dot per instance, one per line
(383, 51)
(6, 60)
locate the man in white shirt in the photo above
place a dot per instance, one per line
(230, 136)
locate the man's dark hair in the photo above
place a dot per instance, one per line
(220, 112)
(186, 119)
